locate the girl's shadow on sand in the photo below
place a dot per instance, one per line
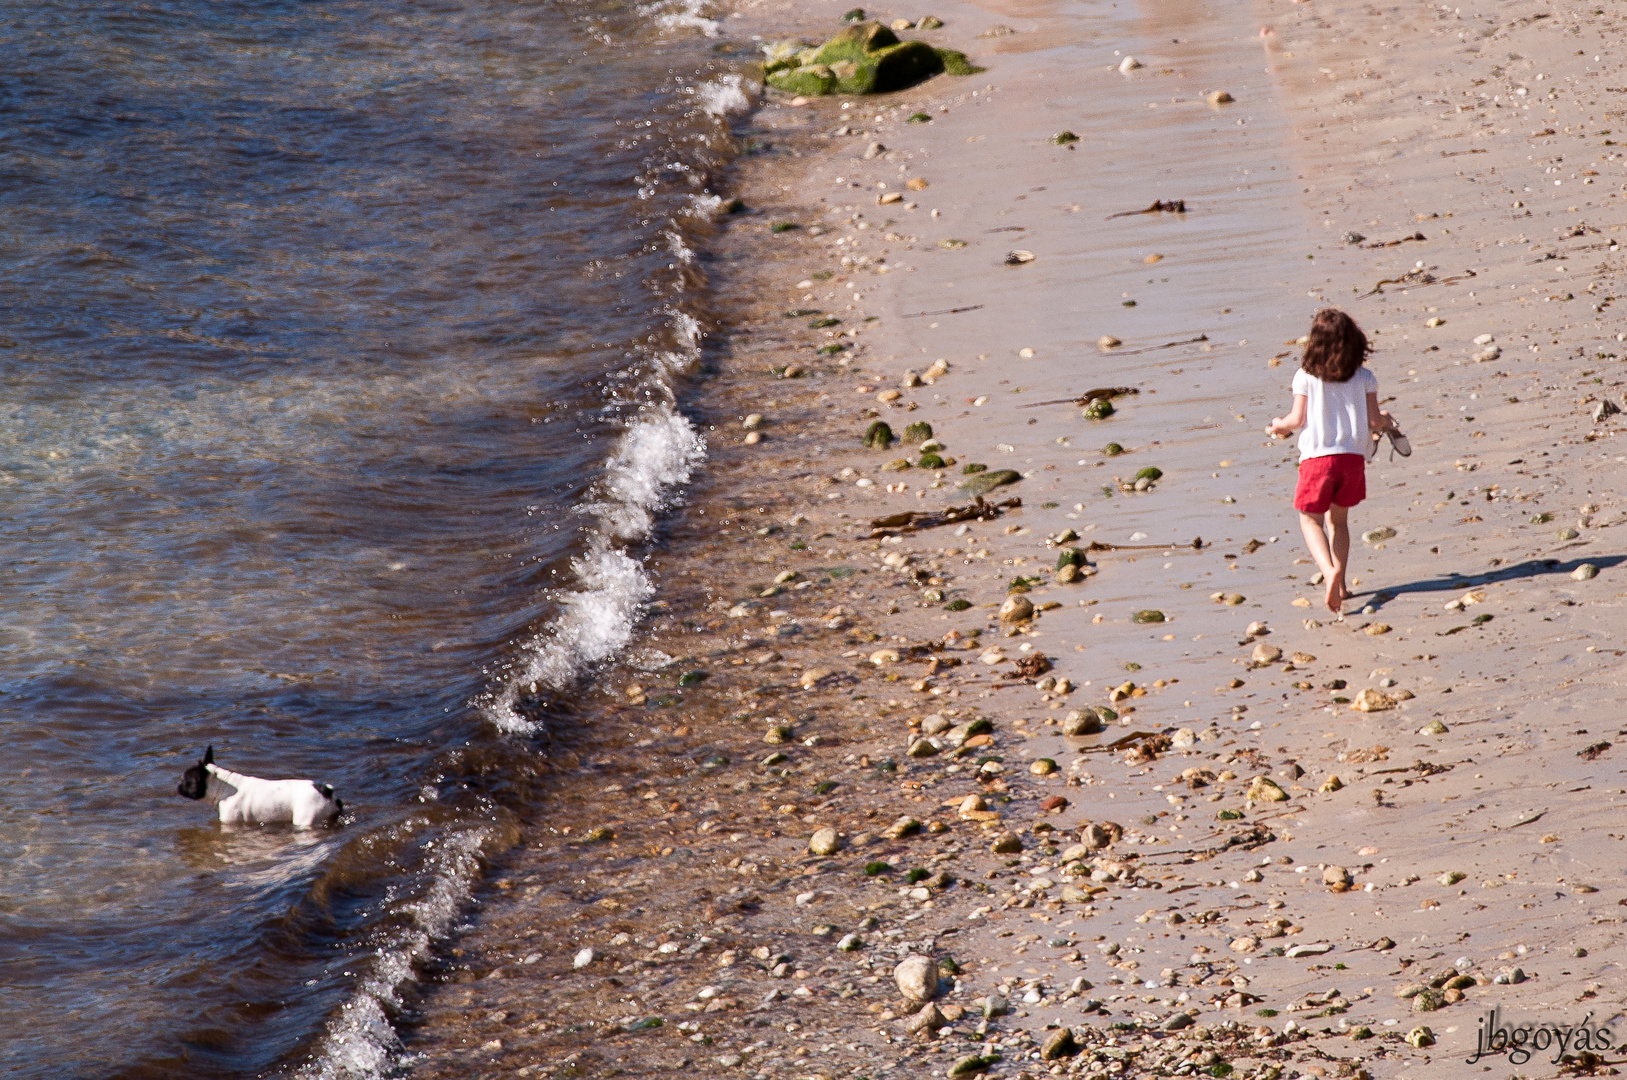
(1456, 582)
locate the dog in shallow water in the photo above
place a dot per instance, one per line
(250, 800)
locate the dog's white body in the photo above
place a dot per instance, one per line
(251, 800)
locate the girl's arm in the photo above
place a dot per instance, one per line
(1377, 419)
(1284, 426)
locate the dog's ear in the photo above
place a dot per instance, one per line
(209, 755)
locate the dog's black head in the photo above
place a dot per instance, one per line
(195, 781)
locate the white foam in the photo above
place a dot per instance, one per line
(361, 1041)
(682, 15)
(730, 95)
(657, 453)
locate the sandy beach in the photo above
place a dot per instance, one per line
(1160, 813)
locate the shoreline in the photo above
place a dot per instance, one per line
(1182, 914)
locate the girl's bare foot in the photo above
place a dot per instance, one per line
(1336, 593)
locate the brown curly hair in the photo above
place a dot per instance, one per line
(1337, 347)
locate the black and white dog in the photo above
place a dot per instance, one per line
(250, 800)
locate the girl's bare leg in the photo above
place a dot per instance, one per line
(1316, 539)
(1338, 524)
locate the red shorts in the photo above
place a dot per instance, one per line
(1333, 479)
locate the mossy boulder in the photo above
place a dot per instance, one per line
(864, 58)
(918, 432)
(985, 482)
(879, 435)
(812, 80)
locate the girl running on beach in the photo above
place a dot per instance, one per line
(1336, 402)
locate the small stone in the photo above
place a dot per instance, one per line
(1421, 1037)
(1017, 609)
(904, 826)
(1484, 339)
(1220, 97)
(1059, 1044)
(1568, 533)
(584, 957)
(752, 422)
(1245, 944)
(929, 1018)
(1452, 877)
(1129, 63)
(885, 656)
(1178, 1022)
(1257, 629)
(824, 842)
(874, 150)
(850, 943)
(1428, 1001)
(1082, 722)
(922, 748)
(1108, 341)
(1434, 322)
(1331, 784)
(1377, 629)
(1262, 789)
(779, 733)
(1370, 700)
(1585, 572)
(1007, 843)
(1148, 616)
(1183, 738)
(1337, 878)
(969, 1066)
(1068, 574)
(1378, 535)
(1266, 654)
(1434, 727)
(1043, 767)
(917, 978)
(1233, 599)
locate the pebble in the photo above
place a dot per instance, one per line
(1129, 63)
(1452, 877)
(904, 826)
(927, 1019)
(850, 943)
(1220, 97)
(1484, 339)
(1059, 1044)
(824, 842)
(1017, 609)
(1108, 341)
(1585, 572)
(752, 422)
(1263, 789)
(1370, 700)
(1043, 767)
(1378, 535)
(1245, 944)
(1337, 878)
(1008, 843)
(1266, 654)
(1081, 722)
(917, 978)
(875, 150)
(1434, 727)
(584, 957)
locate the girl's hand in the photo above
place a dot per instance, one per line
(1280, 428)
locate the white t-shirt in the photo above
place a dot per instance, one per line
(1335, 413)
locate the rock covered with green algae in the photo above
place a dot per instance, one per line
(866, 58)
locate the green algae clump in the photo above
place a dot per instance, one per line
(864, 58)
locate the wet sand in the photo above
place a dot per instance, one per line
(792, 661)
